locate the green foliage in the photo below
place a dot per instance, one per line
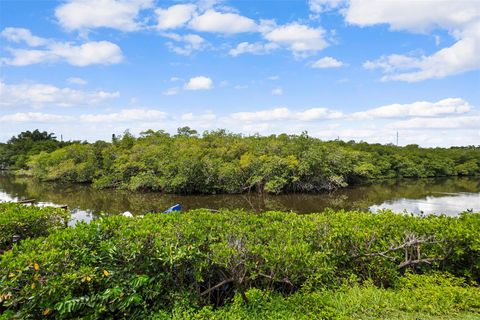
(16, 152)
(467, 168)
(168, 264)
(221, 162)
(28, 221)
(73, 163)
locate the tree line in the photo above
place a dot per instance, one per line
(223, 162)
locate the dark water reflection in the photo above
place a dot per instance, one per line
(446, 195)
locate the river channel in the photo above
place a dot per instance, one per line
(420, 196)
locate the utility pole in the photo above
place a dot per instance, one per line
(397, 138)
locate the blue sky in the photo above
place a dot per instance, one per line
(353, 69)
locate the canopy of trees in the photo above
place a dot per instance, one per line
(15, 153)
(222, 162)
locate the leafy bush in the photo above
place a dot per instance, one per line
(129, 267)
(28, 221)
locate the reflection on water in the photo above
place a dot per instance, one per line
(447, 195)
(451, 204)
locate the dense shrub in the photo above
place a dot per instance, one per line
(28, 221)
(221, 162)
(128, 268)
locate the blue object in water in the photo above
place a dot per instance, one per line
(177, 207)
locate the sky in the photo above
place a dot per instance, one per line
(358, 70)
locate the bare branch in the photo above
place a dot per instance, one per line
(285, 280)
(418, 261)
(217, 286)
(411, 247)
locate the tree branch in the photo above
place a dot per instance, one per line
(285, 280)
(417, 261)
(216, 286)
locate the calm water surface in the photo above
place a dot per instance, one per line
(429, 196)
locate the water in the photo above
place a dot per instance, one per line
(428, 196)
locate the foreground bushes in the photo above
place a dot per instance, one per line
(131, 268)
(28, 221)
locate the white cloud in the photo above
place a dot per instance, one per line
(93, 52)
(204, 18)
(319, 6)
(89, 14)
(76, 80)
(126, 115)
(25, 57)
(273, 78)
(317, 114)
(286, 114)
(327, 62)
(461, 18)
(19, 35)
(191, 42)
(472, 121)
(199, 83)
(174, 16)
(414, 15)
(301, 39)
(263, 115)
(277, 91)
(449, 106)
(190, 38)
(33, 117)
(220, 22)
(461, 57)
(266, 25)
(198, 117)
(254, 48)
(39, 95)
(171, 91)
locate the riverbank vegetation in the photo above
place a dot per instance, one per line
(222, 162)
(237, 265)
